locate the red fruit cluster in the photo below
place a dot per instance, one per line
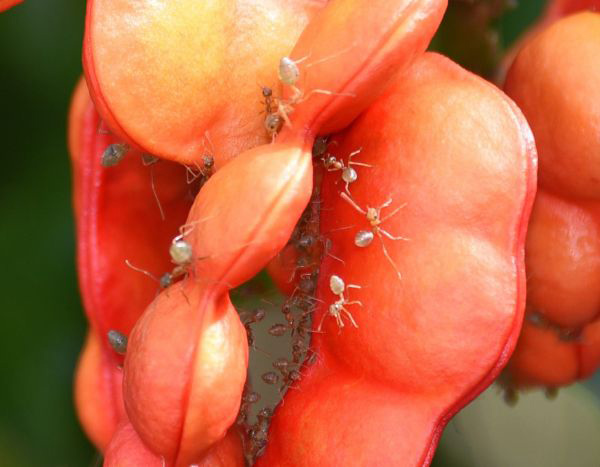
(420, 196)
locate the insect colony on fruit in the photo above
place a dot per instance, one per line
(309, 245)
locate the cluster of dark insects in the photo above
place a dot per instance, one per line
(292, 330)
(537, 319)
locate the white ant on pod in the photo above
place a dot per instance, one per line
(338, 287)
(364, 238)
(349, 175)
(289, 74)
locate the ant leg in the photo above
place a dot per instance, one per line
(393, 213)
(322, 321)
(283, 110)
(155, 193)
(352, 203)
(391, 237)
(143, 271)
(387, 255)
(350, 317)
(301, 98)
(327, 57)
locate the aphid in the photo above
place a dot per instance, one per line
(251, 397)
(305, 242)
(511, 396)
(304, 325)
(551, 393)
(113, 154)
(320, 146)
(364, 238)
(270, 377)
(264, 415)
(287, 311)
(349, 175)
(248, 398)
(338, 287)
(254, 317)
(312, 359)
(118, 341)
(299, 348)
(278, 329)
(281, 364)
(292, 377)
(308, 283)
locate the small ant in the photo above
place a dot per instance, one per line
(208, 162)
(269, 100)
(364, 238)
(349, 175)
(289, 74)
(114, 154)
(338, 287)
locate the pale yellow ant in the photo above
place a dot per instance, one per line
(338, 287)
(364, 238)
(349, 175)
(289, 74)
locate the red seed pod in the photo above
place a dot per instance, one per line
(109, 232)
(554, 80)
(185, 367)
(224, 50)
(403, 362)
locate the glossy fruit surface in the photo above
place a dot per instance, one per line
(554, 81)
(426, 343)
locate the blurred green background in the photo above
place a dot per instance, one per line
(40, 311)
